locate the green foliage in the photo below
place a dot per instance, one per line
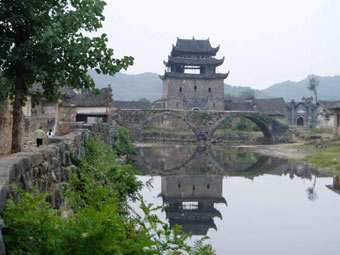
(143, 100)
(248, 94)
(313, 84)
(102, 222)
(327, 157)
(283, 121)
(31, 225)
(321, 130)
(245, 125)
(123, 145)
(119, 178)
(44, 41)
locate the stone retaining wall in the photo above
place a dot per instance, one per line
(47, 168)
(105, 130)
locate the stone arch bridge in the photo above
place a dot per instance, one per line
(202, 123)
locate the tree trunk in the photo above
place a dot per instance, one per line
(18, 117)
(316, 97)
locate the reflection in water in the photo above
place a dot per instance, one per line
(189, 201)
(269, 209)
(311, 192)
(191, 182)
(225, 161)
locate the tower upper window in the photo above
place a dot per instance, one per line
(180, 89)
(209, 90)
(195, 87)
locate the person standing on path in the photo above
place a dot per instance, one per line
(50, 134)
(39, 134)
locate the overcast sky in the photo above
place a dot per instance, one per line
(263, 41)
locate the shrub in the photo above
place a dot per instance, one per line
(102, 222)
(123, 145)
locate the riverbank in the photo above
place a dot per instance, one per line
(325, 155)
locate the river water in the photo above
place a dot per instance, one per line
(245, 202)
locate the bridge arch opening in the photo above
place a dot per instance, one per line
(236, 124)
(167, 125)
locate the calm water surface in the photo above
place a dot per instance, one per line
(245, 202)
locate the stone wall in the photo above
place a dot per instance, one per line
(104, 130)
(66, 115)
(47, 168)
(191, 93)
(6, 122)
(325, 121)
(168, 123)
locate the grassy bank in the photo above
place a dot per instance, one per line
(324, 155)
(229, 131)
(102, 221)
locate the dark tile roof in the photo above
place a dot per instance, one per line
(272, 106)
(131, 105)
(68, 92)
(159, 104)
(193, 45)
(194, 61)
(198, 76)
(336, 105)
(328, 104)
(89, 99)
(238, 106)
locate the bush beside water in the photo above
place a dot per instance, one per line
(102, 222)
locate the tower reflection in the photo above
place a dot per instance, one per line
(190, 201)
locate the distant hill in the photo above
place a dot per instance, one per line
(130, 87)
(237, 90)
(329, 89)
(134, 87)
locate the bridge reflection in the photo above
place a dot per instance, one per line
(224, 161)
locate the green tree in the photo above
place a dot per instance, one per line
(44, 41)
(247, 94)
(123, 144)
(143, 100)
(313, 86)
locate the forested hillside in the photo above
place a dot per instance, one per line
(148, 85)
